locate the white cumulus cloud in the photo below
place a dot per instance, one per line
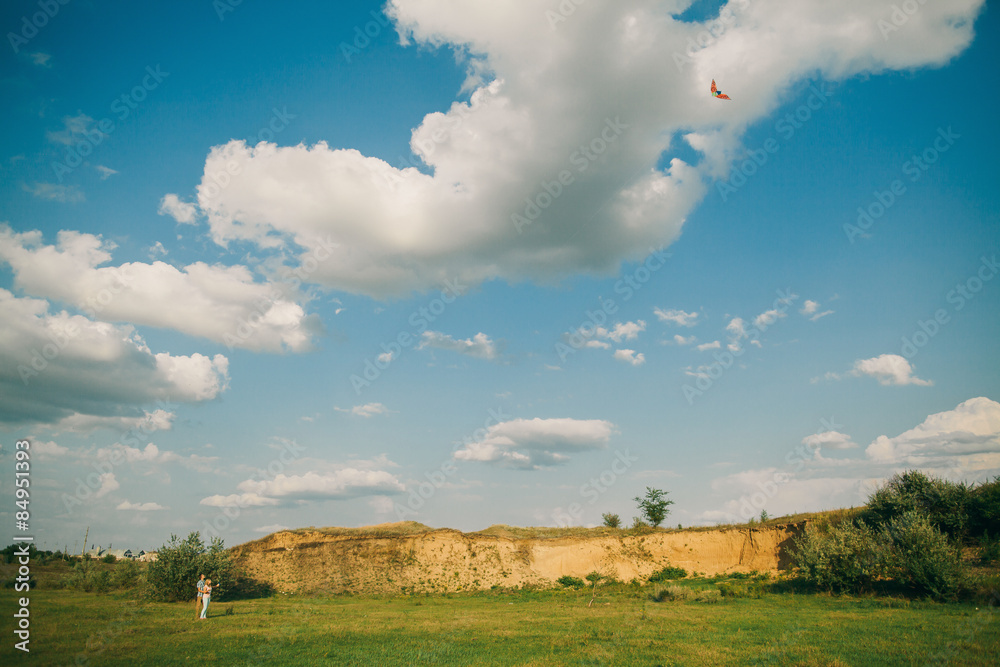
(529, 444)
(221, 303)
(181, 211)
(479, 346)
(678, 317)
(888, 369)
(630, 357)
(540, 113)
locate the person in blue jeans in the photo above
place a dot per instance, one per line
(206, 597)
(197, 600)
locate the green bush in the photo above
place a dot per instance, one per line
(568, 581)
(173, 576)
(848, 558)
(708, 595)
(88, 577)
(921, 557)
(108, 559)
(671, 594)
(741, 589)
(611, 520)
(668, 573)
(984, 509)
(946, 504)
(127, 574)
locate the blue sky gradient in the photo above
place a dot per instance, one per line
(518, 429)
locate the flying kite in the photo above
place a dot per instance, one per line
(718, 93)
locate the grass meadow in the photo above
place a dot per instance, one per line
(622, 626)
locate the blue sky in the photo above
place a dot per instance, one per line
(604, 278)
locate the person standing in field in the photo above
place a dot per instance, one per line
(197, 600)
(206, 597)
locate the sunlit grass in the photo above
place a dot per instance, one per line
(621, 627)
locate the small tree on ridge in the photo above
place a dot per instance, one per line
(654, 505)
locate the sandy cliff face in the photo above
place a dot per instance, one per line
(448, 560)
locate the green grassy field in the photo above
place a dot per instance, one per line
(623, 627)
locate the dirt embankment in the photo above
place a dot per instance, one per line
(449, 560)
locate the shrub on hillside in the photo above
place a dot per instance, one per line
(174, 575)
(127, 574)
(611, 520)
(568, 581)
(87, 576)
(671, 594)
(847, 558)
(920, 556)
(668, 573)
(984, 509)
(946, 504)
(741, 589)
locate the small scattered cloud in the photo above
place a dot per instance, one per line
(630, 357)
(623, 331)
(105, 172)
(479, 346)
(767, 318)
(681, 340)
(889, 370)
(529, 444)
(312, 486)
(829, 440)
(156, 250)
(811, 310)
(65, 194)
(678, 317)
(367, 410)
(148, 422)
(48, 450)
(714, 345)
(239, 500)
(140, 507)
(108, 484)
(181, 211)
(75, 128)
(41, 59)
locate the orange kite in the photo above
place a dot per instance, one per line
(718, 93)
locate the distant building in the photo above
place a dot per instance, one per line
(119, 554)
(148, 556)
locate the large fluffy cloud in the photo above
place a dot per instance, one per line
(220, 303)
(967, 437)
(531, 443)
(549, 168)
(66, 369)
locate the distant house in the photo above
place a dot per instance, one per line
(148, 556)
(119, 554)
